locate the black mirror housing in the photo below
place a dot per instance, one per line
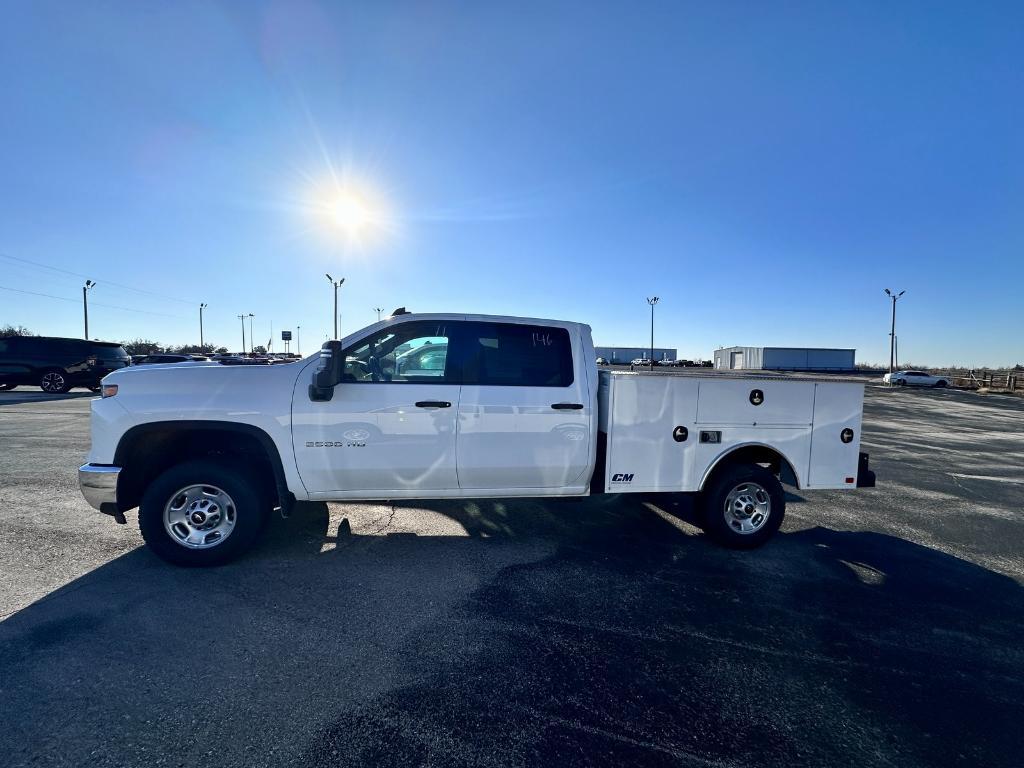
(328, 375)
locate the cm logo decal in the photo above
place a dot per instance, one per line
(622, 478)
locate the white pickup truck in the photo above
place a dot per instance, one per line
(455, 406)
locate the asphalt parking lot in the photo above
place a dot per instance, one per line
(881, 627)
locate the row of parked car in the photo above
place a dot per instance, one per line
(644, 362)
(56, 365)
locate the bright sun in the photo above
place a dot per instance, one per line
(350, 214)
(352, 211)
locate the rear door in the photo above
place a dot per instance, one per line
(524, 417)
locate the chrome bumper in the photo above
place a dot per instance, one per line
(99, 486)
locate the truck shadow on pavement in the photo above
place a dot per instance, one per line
(603, 632)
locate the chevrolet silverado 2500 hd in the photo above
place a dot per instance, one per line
(455, 406)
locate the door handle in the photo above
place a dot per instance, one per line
(433, 404)
(567, 406)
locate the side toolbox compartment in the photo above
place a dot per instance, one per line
(835, 436)
(647, 423)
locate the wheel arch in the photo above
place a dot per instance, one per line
(753, 453)
(147, 450)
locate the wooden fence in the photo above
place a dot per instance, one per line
(1010, 381)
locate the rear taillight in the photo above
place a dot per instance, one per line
(108, 390)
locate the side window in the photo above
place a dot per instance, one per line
(67, 348)
(414, 353)
(513, 355)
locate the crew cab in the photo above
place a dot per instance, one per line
(431, 406)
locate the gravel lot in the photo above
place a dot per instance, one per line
(881, 627)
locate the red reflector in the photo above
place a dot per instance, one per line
(850, 479)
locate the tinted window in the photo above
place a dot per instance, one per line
(62, 347)
(43, 347)
(109, 353)
(507, 354)
(411, 353)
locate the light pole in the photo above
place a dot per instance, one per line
(336, 284)
(202, 345)
(252, 338)
(652, 301)
(89, 284)
(892, 330)
(378, 310)
(298, 338)
(242, 318)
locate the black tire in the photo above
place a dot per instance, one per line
(940, 384)
(902, 382)
(251, 509)
(54, 381)
(715, 495)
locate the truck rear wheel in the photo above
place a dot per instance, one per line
(202, 513)
(743, 506)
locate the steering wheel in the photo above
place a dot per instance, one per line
(375, 372)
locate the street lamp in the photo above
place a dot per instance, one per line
(202, 345)
(252, 337)
(298, 338)
(336, 284)
(652, 301)
(242, 318)
(378, 310)
(892, 331)
(89, 284)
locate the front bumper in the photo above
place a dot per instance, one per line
(99, 486)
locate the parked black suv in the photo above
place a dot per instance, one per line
(57, 365)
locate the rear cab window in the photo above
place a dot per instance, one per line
(516, 355)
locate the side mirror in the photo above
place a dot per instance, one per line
(329, 372)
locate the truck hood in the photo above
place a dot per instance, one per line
(207, 389)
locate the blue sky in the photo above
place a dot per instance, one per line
(765, 168)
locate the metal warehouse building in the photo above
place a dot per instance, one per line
(784, 359)
(626, 355)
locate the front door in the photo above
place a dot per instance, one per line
(524, 418)
(390, 426)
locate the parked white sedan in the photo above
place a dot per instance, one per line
(915, 379)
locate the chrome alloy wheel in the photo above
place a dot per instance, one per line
(52, 382)
(747, 508)
(199, 516)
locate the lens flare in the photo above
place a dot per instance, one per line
(350, 210)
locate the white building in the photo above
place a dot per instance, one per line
(784, 359)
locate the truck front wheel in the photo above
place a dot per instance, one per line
(743, 506)
(202, 513)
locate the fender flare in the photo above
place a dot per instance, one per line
(130, 439)
(721, 458)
